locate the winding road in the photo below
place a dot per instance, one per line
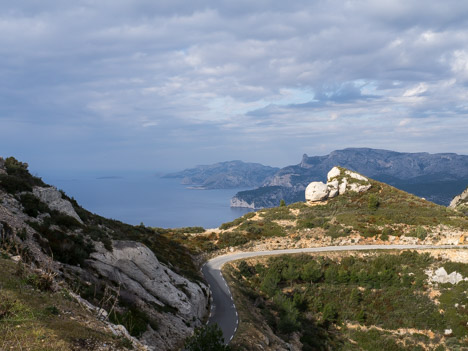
(223, 309)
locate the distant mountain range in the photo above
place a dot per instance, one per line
(436, 177)
(225, 175)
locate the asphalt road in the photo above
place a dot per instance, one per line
(223, 309)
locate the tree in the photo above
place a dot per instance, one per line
(207, 338)
(282, 203)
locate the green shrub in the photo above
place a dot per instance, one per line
(134, 320)
(373, 202)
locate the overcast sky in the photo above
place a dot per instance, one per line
(167, 84)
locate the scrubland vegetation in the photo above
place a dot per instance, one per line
(365, 302)
(379, 213)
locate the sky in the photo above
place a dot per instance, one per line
(165, 85)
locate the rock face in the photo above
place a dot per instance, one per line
(460, 200)
(339, 181)
(154, 287)
(436, 177)
(53, 198)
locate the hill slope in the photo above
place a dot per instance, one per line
(135, 275)
(437, 177)
(382, 214)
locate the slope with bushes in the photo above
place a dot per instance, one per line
(352, 301)
(141, 278)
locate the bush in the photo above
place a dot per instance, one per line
(208, 338)
(135, 320)
(232, 239)
(373, 202)
(18, 177)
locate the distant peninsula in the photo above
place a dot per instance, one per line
(225, 175)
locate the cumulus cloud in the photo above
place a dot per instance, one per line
(172, 75)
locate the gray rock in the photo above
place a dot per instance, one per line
(53, 198)
(149, 283)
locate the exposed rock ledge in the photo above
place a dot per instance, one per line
(147, 283)
(53, 198)
(339, 180)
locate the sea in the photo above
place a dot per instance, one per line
(146, 198)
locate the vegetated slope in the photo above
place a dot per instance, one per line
(436, 177)
(352, 301)
(135, 275)
(225, 175)
(379, 215)
(34, 317)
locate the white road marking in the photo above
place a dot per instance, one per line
(231, 337)
(236, 313)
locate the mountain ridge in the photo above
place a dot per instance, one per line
(420, 173)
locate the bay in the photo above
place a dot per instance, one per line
(137, 198)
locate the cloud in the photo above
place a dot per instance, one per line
(172, 75)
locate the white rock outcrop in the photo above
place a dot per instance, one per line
(441, 276)
(338, 182)
(147, 282)
(53, 198)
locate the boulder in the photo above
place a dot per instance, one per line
(334, 172)
(316, 191)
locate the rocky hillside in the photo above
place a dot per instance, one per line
(225, 175)
(349, 209)
(436, 177)
(125, 275)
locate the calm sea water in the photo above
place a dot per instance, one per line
(157, 202)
